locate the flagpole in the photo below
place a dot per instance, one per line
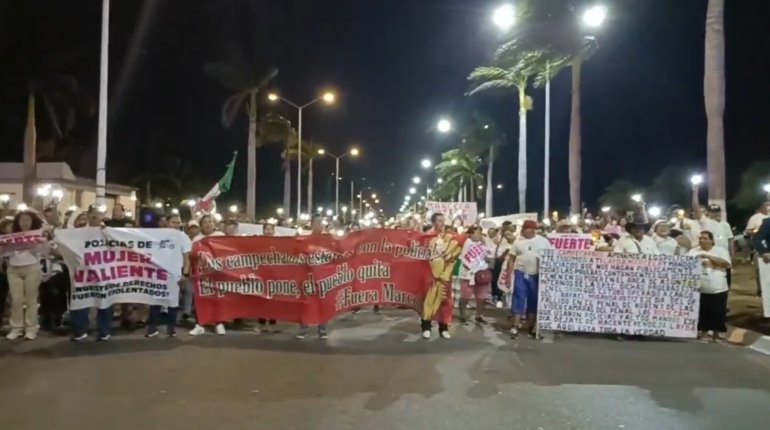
(101, 149)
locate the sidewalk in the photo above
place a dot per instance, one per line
(746, 324)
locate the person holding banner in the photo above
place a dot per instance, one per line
(24, 276)
(638, 242)
(316, 228)
(445, 250)
(475, 276)
(268, 230)
(712, 315)
(666, 244)
(184, 244)
(525, 257)
(207, 229)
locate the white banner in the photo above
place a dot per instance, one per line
(571, 241)
(467, 212)
(516, 219)
(122, 265)
(764, 284)
(639, 294)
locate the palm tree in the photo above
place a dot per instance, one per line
(550, 39)
(482, 137)
(457, 169)
(510, 74)
(242, 77)
(714, 97)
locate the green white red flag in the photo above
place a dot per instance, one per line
(220, 187)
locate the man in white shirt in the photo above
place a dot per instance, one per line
(756, 220)
(184, 245)
(525, 255)
(711, 220)
(637, 242)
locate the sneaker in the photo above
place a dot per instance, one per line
(197, 330)
(301, 334)
(14, 334)
(426, 334)
(323, 335)
(78, 338)
(220, 329)
(172, 333)
(103, 338)
(259, 330)
(514, 332)
(30, 336)
(499, 304)
(152, 333)
(445, 334)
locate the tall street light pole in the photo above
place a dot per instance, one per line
(353, 152)
(101, 137)
(327, 98)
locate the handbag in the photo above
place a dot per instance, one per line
(483, 277)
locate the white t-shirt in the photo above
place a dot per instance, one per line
(713, 280)
(629, 245)
(755, 221)
(183, 242)
(689, 228)
(528, 253)
(22, 258)
(720, 229)
(668, 245)
(201, 236)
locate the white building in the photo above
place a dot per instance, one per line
(55, 181)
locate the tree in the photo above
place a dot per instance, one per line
(242, 77)
(552, 38)
(482, 137)
(714, 98)
(618, 195)
(457, 169)
(671, 186)
(510, 74)
(750, 193)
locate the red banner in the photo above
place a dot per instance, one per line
(310, 279)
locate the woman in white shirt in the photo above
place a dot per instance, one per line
(475, 276)
(24, 275)
(713, 286)
(667, 245)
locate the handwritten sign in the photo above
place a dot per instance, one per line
(467, 212)
(571, 241)
(648, 295)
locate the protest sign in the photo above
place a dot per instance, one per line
(571, 241)
(639, 294)
(310, 279)
(22, 241)
(466, 212)
(764, 285)
(122, 265)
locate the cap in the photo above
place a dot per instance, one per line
(529, 224)
(193, 223)
(715, 208)
(563, 223)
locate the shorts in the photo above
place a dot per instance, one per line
(524, 293)
(479, 291)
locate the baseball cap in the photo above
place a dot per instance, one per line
(193, 223)
(715, 208)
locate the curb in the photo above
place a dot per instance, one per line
(750, 339)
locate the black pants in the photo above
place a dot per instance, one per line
(3, 294)
(53, 300)
(426, 325)
(497, 293)
(713, 312)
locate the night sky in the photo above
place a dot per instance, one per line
(397, 66)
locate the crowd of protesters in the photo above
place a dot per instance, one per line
(496, 266)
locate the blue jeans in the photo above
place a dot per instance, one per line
(154, 319)
(525, 289)
(80, 321)
(321, 328)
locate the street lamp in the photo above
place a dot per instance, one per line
(766, 188)
(637, 198)
(328, 98)
(412, 190)
(594, 16)
(696, 180)
(504, 17)
(440, 180)
(416, 179)
(426, 163)
(233, 209)
(444, 125)
(655, 211)
(279, 211)
(374, 195)
(354, 152)
(606, 209)
(499, 186)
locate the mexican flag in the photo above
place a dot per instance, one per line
(220, 187)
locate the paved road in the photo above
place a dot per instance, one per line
(375, 373)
